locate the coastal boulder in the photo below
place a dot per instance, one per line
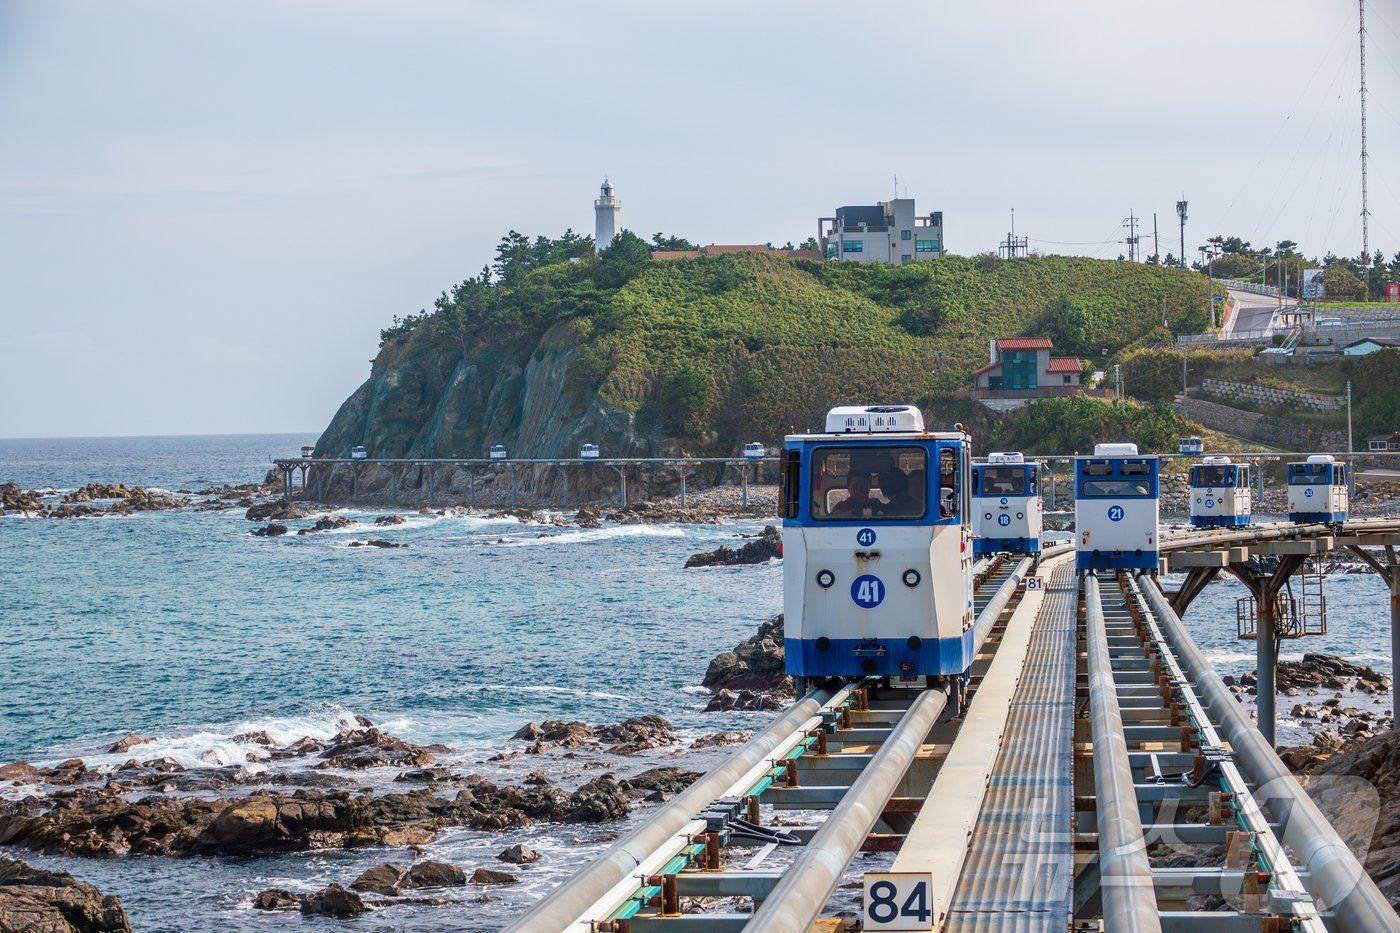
(36, 901)
(434, 874)
(518, 854)
(767, 546)
(756, 663)
(381, 879)
(491, 876)
(278, 510)
(328, 523)
(334, 901)
(272, 530)
(276, 899)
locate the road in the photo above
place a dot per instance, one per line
(1255, 314)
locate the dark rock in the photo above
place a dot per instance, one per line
(757, 663)
(717, 739)
(588, 518)
(518, 855)
(20, 771)
(666, 780)
(375, 542)
(334, 901)
(426, 775)
(127, 743)
(273, 530)
(276, 899)
(638, 733)
(255, 738)
(280, 511)
(490, 876)
(432, 874)
(381, 879)
(36, 901)
(767, 546)
(394, 519)
(370, 748)
(328, 523)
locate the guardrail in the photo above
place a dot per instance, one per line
(1254, 287)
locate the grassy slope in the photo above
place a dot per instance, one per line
(778, 341)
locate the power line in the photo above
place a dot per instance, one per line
(1365, 212)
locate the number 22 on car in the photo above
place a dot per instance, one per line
(899, 901)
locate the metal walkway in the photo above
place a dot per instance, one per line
(1020, 860)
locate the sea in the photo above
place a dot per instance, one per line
(183, 627)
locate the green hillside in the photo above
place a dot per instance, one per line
(708, 352)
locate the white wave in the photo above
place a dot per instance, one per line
(696, 691)
(1234, 657)
(214, 746)
(591, 535)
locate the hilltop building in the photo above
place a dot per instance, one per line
(1023, 366)
(885, 232)
(605, 211)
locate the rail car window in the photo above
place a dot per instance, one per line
(1309, 474)
(792, 478)
(1115, 489)
(1212, 476)
(1003, 481)
(1097, 468)
(869, 483)
(1135, 468)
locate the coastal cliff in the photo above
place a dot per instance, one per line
(547, 351)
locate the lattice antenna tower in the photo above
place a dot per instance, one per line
(1365, 211)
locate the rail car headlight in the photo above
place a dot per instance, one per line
(988, 516)
(823, 643)
(825, 578)
(1020, 515)
(915, 643)
(911, 577)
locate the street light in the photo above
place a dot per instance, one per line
(1208, 255)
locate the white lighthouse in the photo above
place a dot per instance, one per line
(605, 211)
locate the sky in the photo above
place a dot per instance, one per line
(211, 209)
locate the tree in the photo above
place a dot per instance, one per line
(626, 256)
(661, 241)
(811, 243)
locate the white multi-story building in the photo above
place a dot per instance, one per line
(885, 232)
(605, 211)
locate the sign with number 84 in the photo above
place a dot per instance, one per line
(899, 901)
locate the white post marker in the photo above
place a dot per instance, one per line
(899, 901)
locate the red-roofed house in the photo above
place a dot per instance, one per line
(1024, 366)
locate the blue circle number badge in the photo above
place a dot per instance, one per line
(1003, 520)
(867, 591)
(1115, 513)
(865, 537)
(1210, 503)
(1308, 493)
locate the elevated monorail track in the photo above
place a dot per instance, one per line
(1085, 775)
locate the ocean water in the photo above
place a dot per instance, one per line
(182, 627)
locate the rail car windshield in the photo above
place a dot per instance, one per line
(1213, 476)
(1112, 479)
(1005, 481)
(879, 483)
(1316, 474)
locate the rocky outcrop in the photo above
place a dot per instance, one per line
(328, 523)
(36, 901)
(1322, 672)
(767, 546)
(630, 736)
(1369, 807)
(271, 530)
(756, 664)
(394, 519)
(375, 542)
(15, 499)
(334, 901)
(90, 822)
(278, 510)
(518, 854)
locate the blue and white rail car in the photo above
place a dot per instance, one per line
(1116, 509)
(1007, 516)
(1317, 490)
(877, 568)
(1219, 491)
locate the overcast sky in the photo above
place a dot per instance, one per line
(210, 210)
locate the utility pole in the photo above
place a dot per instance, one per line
(1117, 385)
(1184, 350)
(1365, 213)
(1156, 253)
(1131, 223)
(1350, 445)
(1181, 213)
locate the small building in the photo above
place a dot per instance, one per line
(1383, 442)
(1026, 366)
(889, 231)
(1369, 345)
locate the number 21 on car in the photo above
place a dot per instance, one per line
(899, 901)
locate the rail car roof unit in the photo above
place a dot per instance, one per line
(870, 419)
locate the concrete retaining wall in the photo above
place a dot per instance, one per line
(1263, 395)
(1264, 429)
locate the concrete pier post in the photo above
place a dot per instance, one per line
(471, 486)
(511, 471)
(622, 488)
(393, 485)
(1266, 662)
(744, 487)
(432, 477)
(682, 490)
(354, 481)
(565, 471)
(1394, 641)
(286, 482)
